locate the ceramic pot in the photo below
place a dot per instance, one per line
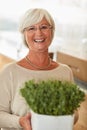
(47, 122)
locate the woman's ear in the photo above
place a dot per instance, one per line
(24, 39)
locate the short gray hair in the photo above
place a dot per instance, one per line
(33, 16)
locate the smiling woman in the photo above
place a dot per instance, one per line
(36, 64)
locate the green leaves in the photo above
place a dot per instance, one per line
(52, 97)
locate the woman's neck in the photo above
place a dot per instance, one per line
(41, 58)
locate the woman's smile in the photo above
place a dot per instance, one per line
(39, 40)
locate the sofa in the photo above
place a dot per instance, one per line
(78, 65)
(4, 60)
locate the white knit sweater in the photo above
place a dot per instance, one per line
(12, 104)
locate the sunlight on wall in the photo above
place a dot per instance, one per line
(65, 11)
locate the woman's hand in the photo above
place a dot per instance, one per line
(25, 122)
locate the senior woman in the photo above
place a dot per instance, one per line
(37, 28)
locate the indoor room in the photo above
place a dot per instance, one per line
(70, 40)
(69, 45)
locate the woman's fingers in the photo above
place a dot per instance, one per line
(25, 121)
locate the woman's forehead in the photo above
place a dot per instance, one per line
(43, 21)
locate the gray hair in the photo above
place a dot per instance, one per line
(33, 16)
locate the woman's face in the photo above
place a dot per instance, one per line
(39, 36)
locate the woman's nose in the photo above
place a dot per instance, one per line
(38, 31)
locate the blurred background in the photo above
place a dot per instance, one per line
(70, 42)
(71, 26)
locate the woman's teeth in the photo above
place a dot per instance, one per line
(39, 40)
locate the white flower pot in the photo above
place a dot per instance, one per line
(46, 122)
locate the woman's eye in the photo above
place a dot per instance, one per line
(31, 29)
(44, 27)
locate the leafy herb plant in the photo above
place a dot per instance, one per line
(52, 97)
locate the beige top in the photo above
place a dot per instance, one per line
(12, 105)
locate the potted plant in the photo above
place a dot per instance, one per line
(52, 103)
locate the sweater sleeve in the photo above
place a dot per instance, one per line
(7, 119)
